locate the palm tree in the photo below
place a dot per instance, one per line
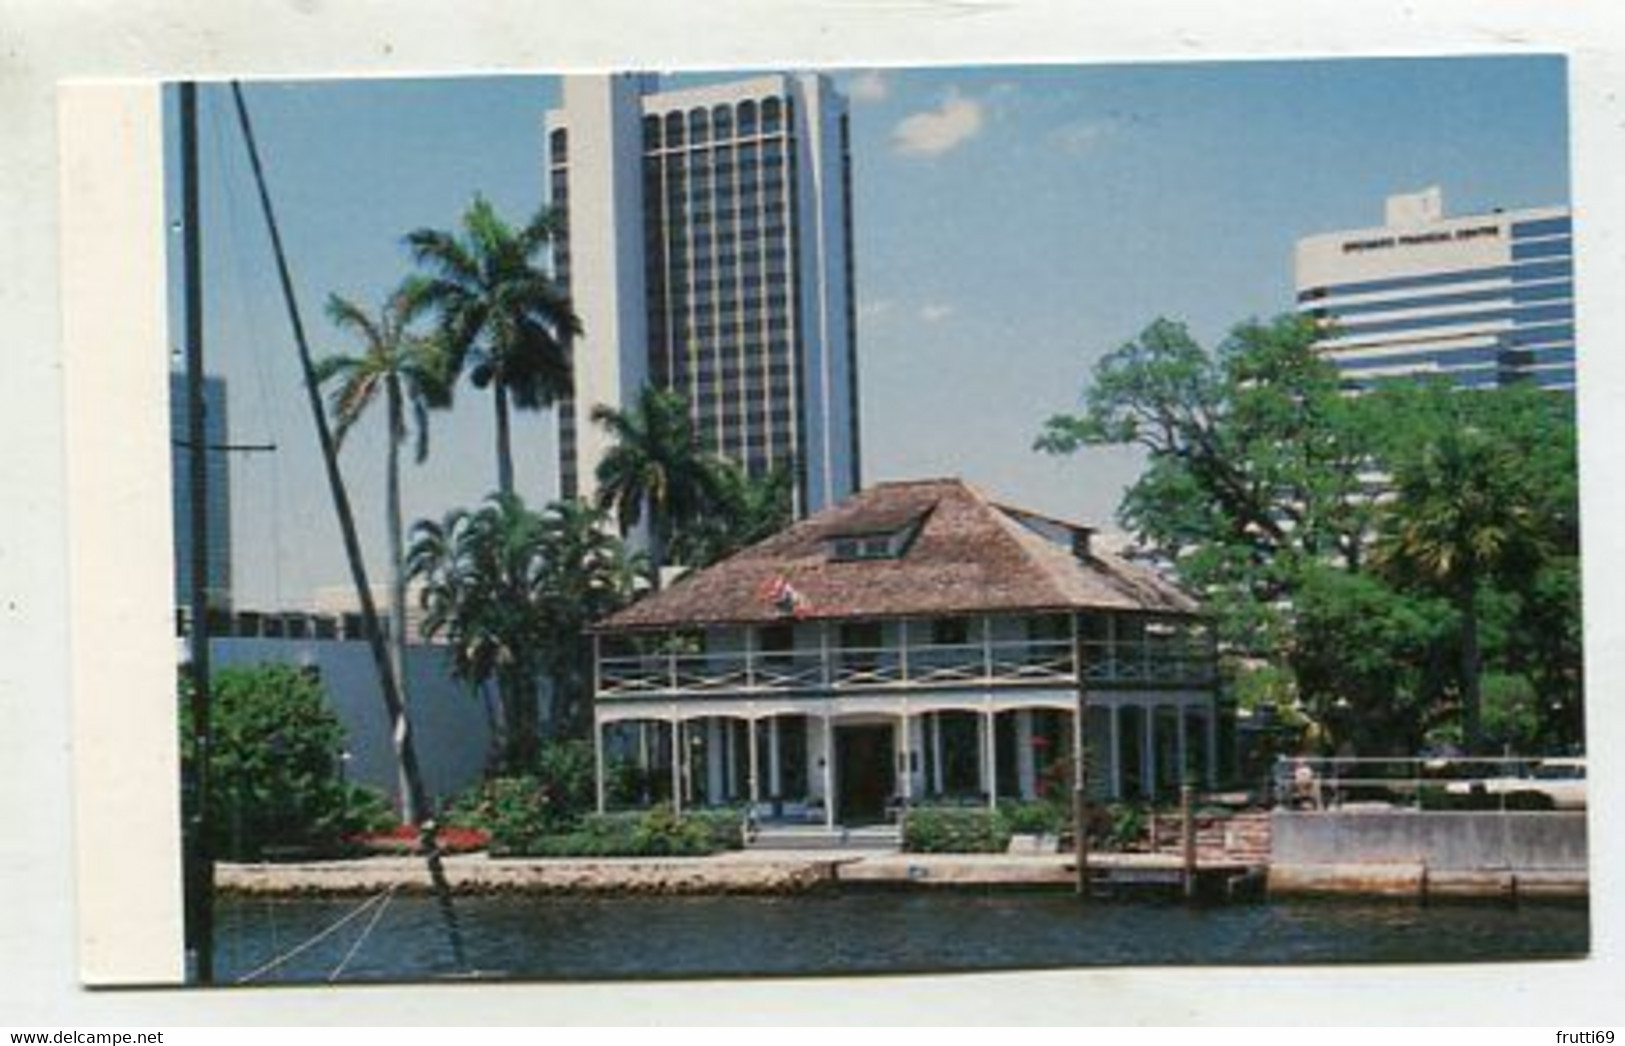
(740, 510)
(653, 470)
(513, 591)
(1460, 519)
(480, 572)
(410, 372)
(505, 320)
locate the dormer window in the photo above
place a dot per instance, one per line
(873, 546)
(876, 535)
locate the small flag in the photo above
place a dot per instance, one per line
(778, 591)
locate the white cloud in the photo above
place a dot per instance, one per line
(932, 132)
(869, 86)
(872, 308)
(932, 312)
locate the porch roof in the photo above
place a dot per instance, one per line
(969, 556)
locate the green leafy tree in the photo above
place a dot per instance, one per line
(654, 468)
(1369, 661)
(408, 374)
(1382, 549)
(505, 320)
(1253, 464)
(276, 765)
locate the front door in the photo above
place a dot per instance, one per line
(863, 773)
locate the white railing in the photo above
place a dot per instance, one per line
(993, 663)
(1421, 783)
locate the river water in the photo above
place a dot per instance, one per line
(861, 931)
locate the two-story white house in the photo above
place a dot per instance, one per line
(915, 642)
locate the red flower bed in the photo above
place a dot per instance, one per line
(403, 838)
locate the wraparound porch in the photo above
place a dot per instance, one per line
(858, 759)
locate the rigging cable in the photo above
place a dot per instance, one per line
(366, 931)
(315, 939)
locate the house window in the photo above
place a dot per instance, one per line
(868, 547)
(950, 631)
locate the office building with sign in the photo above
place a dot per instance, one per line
(708, 250)
(1484, 300)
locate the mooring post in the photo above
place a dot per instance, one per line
(1187, 837)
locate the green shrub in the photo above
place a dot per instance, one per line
(518, 809)
(1039, 817)
(276, 770)
(565, 771)
(514, 810)
(952, 829)
(653, 833)
(1124, 826)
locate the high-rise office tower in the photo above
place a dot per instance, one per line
(1483, 299)
(217, 522)
(708, 250)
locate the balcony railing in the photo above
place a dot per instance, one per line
(1002, 663)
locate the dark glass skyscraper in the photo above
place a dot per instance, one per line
(708, 250)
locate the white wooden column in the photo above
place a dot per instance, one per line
(775, 780)
(598, 762)
(752, 766)
(992, 734)
(676, 764)
(1026, 772)
(829, 773)
(900, 755)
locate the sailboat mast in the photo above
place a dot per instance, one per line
(201, 892)
(405, 750)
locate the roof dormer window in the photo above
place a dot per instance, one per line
(868, 546)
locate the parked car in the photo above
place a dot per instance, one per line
(1562, 780)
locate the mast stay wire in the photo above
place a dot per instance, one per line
(236, 250)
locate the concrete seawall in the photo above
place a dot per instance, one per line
(477, 873)
(1408, 853)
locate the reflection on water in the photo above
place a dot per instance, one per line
(865, 932)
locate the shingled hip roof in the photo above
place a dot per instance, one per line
(965, 555)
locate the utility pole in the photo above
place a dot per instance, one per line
(201, 892)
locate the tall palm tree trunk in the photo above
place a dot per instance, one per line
(504, 445)
(397, 581)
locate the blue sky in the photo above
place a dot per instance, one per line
(1012, 224)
